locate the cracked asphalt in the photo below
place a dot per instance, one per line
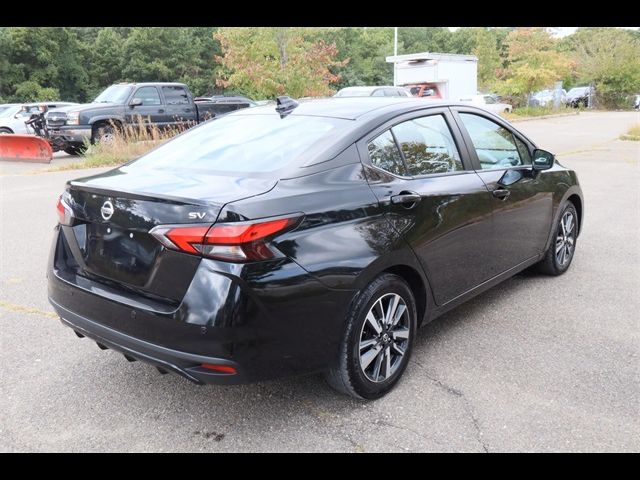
(535, 364)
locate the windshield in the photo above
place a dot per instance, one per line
(242, 143)
(114, 94)
(354, 92)
(6, 110)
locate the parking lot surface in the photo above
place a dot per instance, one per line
(535, 364)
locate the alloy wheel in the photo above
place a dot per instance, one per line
(384, 337)
(566, 239)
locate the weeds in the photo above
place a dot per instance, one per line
(125, 144)
(632, 134)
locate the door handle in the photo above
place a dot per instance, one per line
(406, 199)
(161, 110)
(501, 193)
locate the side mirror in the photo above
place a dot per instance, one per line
(542, 160)
(136, 102)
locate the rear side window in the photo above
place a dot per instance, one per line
(175, 95)
(428, 146)
(244, 143)
(385, 155)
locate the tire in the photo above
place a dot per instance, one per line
(102, 134)
(349, 376)
(5, 131)
(554, 263)
(75, 150)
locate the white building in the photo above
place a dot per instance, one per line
(455, 76)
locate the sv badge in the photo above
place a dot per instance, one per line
(197, 215)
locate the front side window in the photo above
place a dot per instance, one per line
(378, 93)
(428, 146)
(148, 95)
(494, 144)
(523, 150)
(385, 155)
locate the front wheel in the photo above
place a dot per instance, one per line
(103, 134)
(75, 150)
(559, 255)
(377, 340)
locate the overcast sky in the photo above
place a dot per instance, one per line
(562, 31)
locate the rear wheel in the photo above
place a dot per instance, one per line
(559, 255)
(377, 341)
(5, 131)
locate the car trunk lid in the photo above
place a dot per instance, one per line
(115, 211)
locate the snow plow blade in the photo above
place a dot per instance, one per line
(25, 148)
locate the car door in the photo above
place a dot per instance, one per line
(152, 110)
(181, 109)
(522, 201)
(422, 177)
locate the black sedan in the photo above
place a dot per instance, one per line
(311, 237)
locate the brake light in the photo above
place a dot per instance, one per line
(235, 242)
(65, 214)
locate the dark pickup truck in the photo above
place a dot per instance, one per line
(164, 105)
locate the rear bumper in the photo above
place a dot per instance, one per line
(165, 359)
(265, 326)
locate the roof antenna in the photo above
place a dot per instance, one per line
(285, 105)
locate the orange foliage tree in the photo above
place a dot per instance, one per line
(267, 62)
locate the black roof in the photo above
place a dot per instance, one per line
(349, 108)
(153, 84)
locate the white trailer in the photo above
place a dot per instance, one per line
(454, 76)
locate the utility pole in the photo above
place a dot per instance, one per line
(395, 54)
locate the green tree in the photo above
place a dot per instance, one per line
(423, 39)
(47, 58)
(609, 58)
(489, 60)
(533, 61)
(266, 62)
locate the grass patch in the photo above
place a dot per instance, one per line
(633, 134)
(528, 112)
(124, 145)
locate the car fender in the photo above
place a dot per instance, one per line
(106, 118)
(572, 190)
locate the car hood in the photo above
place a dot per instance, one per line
(84, 107)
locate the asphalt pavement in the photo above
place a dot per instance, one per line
(535, 364)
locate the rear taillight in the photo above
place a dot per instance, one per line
(233, 242)
(65, 214)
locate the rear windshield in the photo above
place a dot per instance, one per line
(243, 143)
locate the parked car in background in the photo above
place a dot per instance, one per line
(383, 91)
(545, 98)
(13, 116)
(425, 90)
(578, 97)
(488, 102)
(227, 103)
(636, 102)
(160, 104)
(309, 237)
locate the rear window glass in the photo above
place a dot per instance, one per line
(243, 143)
